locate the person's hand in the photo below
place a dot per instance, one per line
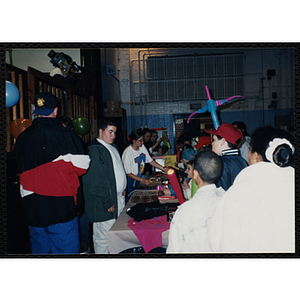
(111, 209)
(165, 169)
(146, 181)
(124, 193)
(166, 191)
(185, 184)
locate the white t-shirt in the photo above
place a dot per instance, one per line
(134, 160)
(120, 175)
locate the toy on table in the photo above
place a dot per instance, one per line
(212, 107)
(175, 185)
(166, 141)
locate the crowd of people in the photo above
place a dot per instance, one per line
(243, 203)
(252, 209)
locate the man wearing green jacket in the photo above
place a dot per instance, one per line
(104, 185)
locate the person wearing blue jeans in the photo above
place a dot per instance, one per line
(46, 240)
(50, 159)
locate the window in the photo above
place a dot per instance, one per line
(184, 78)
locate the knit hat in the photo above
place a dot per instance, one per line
(189, 154)
(229, 132)
(44, 103)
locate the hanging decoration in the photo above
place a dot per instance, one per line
(211, 106)
(12, 94)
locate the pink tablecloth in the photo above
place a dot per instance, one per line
(149, 231)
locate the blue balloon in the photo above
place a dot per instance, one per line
(12, 94)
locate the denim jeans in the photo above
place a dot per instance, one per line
(61, 238)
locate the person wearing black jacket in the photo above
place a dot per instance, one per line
(225, 142)
(50, 159)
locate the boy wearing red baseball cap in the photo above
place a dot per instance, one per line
(225, 141)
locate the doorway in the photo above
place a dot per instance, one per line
(193, 128)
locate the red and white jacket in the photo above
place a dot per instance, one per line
(50, 160)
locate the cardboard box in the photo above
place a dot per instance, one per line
(170, 160)
(111, 105)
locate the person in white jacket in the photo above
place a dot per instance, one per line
(189, 225)
(257, 213)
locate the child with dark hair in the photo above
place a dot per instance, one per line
(147, 134)
(257, 213)
(184, 141)
(152, 144)
(188, 155)
(225, 141)
(188, 230)
(134, 158)
(186, 184)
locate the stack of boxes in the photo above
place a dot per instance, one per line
(114, 110)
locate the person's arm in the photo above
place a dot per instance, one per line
(142, 180)
(175, 236)
(156, 144)
(185, 184)
(111, 209)
(225, 181)
(187, 192)
(155, 164)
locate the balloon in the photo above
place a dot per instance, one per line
(212, 107)
(19, 125)
(81, 126)
(12, 94)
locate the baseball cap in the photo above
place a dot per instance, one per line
(189, 154)
(44, 103)
(230, 133)
(203, 141)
